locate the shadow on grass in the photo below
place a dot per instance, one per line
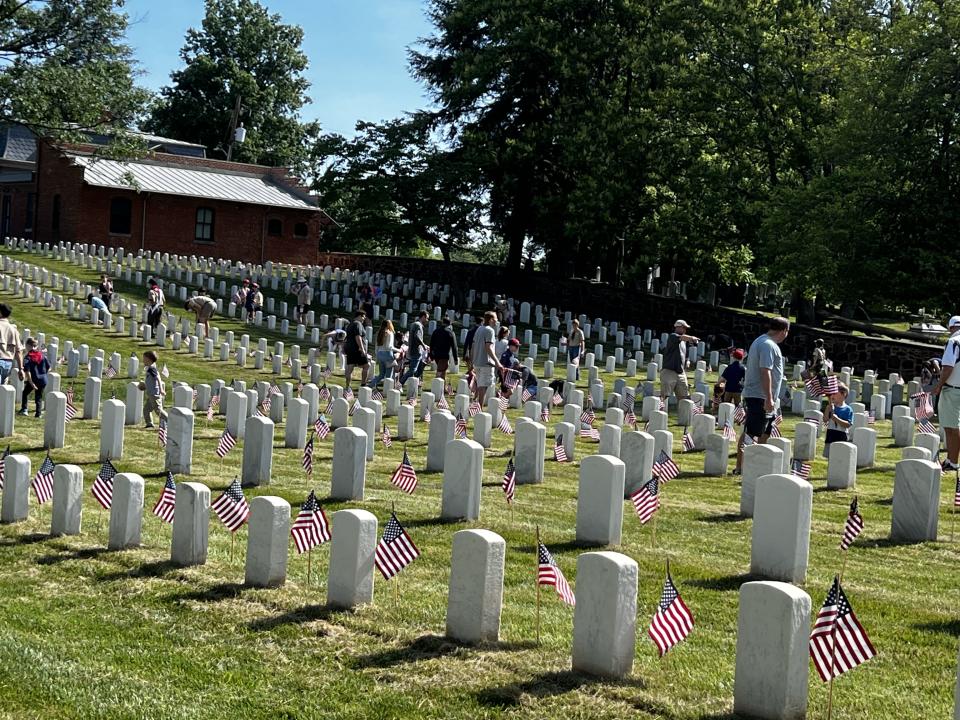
(547, 685)
(946, 627)
(885, 501)
(305, 614)
(429, 647)
(431, 522)
(725, 518)
(214, 593)
(147, 570)
(80, 554)
(561, 547)
(726, 583)
(30, 539)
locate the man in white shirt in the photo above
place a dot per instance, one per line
(948, 410)
(485, 360)
(11, 349)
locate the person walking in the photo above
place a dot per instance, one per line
(355, 350)
(443, 348)
(732, 377)
(416, 348)
(304, 294)
(204, 307)
(673, 376)
(36, 368)
(106, 289)
(948, 391)
(575, 345)
(761, 385)
(11, 348)
(386, 352)
(468, 343)
(153, 390)
(155, 302)
(485, 360)
(253, 302)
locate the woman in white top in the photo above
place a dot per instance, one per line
(386, 353)
(503, 340)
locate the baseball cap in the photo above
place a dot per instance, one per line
(954, 321)
(514, 341)
(681, 322)
(737, 354)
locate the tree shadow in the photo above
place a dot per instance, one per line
(725, 583)
(429, 647)
(946, 627)
(305, 614)
(147, 570)
(214, 593)
(547, 685)
(81, 554)
(725, 518)
(887, 542)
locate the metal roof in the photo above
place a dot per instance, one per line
(188, 182)
(19, 144)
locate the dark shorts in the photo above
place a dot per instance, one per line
(302, 309)
(442, 365)
(756, 421)
(356, 358)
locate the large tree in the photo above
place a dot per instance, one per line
(241, 51)
(64, 66)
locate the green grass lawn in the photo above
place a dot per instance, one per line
(86, 633)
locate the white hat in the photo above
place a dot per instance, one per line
(954, 321)
(681, 322)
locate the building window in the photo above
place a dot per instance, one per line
(274, 227)
(28, 223)
(300, 230)
(55, 214)
(204, 232)
(120, 212)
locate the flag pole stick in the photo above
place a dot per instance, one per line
(953, 515)
(833, 658)
(309, 563)
(653, 537)
(843, 566)
(233, 537)
(537, 580)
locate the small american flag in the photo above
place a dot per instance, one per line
(646, 500)
(526, 395)
(665, 468)
(232, 507)
(559, 451)
(838, 642)
(956, 492)
(43, 480)
(441, 403)
(347, 394)
(672, 622)
(813, 387)
(556, 399)
(311, 527)
(324, 392)
(474, 408)
(162, 433)
(830, 385)
(504, 425)
(69, 395)
(460, 428)
(165, 372)
(111, 372)
(69, 412)
(925, 426)
(308, 456)
(728, 432)
(545, 414)
(663, 405)
(773, 430)
(321, 427)
(800, 468)
(509, 484)
(549, 573)
(376, 395)
(3, 464)
(871, 417)
(687, 441)
(226, 443)
(630, 419)
(395, 550)
(426, 414)
(354, 407)
(102, 488)
(629, 400)
(588, 416)
(698, 408)
(853, 526)
(503, 403)
(210, 411)
(405, 477)
(923, 405)
(589, 433)
(167, 501)
(739, 415)
(387, 440)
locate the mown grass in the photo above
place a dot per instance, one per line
(86, 633)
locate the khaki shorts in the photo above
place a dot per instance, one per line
(948, 411)
(672, 382)
(484, 376)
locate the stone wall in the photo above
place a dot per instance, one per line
(630, 307)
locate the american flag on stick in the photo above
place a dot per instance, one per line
(509, 484)
(167, 502)
(43, 480)
(395, 550)
(162, 432)
(324, 392)
(646, 500)
(474, 408)
(588, 416)
(405, 477)
(210, 411)
(838, 642)
(550, 574)
(728, 432)
(69, 412)
(308, 456)
(559, 451)
(526, 395)
(460, 427)
(321, 427)
(829, 386)
(354, 407)
(687, 441)
(3, 465)
(740, 414)
(226, 443)
(852, 527)
(813, 387)
(800, 468)
(665, 468)
(232, 507)
(503, 403)
(111, 372)
(311, 527)
(504, 425)
(925, 426)
(69, 395)
(556, 399)
(426, 414)
(871, 417)
(589, 433)
(442, 404)
(672, 621)
(956, 492)
(387, 440)
(923, 405)
(102, 488)
(545, 414)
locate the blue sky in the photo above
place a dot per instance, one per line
(357, 51)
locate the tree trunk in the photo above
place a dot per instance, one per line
(806, 314)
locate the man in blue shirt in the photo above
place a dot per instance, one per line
(761, 384)
(100, 305)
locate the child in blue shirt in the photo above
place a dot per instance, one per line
(838, 417)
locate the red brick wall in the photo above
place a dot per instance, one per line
(55, 175)
(19, 194)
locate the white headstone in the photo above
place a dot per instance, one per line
(604, 620)
(111, 430)
(758, 461)
(781, 528)
(349, 463)
(462, 480)
(257, 452)
(600, 500)
(842, 466)
(191, 524)
(529, 446)
(67, 500)
(126, 511)
(353, 546)
(916, 500)
(475, 595)
(179, 450)
(268, 538)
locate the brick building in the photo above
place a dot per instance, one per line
(172, 200)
